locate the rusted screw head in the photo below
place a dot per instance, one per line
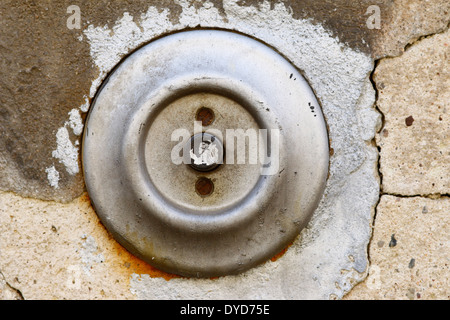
(206, 152)
(205, 115)
(204, 187)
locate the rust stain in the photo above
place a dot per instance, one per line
(409, 121)
(205, 115)
(128, 263)
(121, 260)
(281, 253)
(124, 263)
(204, 187)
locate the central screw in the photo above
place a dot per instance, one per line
(205, 115)
(206, 152)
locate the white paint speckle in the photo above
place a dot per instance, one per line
(53, 177)
(85, 106)
(75, 122)
(89, 255)
(66, 152)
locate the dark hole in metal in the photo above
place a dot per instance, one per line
(204, 187)
(205, 115)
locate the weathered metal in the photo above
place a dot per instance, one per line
(142, 118)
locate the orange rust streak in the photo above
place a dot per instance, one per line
(132, 264)
(125, 263)
(280, 254)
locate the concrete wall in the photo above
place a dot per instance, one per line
(387, 74)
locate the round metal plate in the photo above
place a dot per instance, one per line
(139, 174)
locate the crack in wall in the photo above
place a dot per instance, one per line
(380, 174)
(433, 196)
(12, 292)
(422, 37)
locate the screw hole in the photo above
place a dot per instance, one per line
(204, 187)
(205, 115)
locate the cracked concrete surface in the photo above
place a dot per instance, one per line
(412, 93)
(409, 249)
(352, 188)
(415, 139)
(7, 292)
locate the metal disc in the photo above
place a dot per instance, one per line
(232, 216)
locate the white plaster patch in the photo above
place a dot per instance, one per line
(107, 47)
(75, 122)
(89, 255)
(336, 239)
(85, 106)
(52, 176)
(66, 152)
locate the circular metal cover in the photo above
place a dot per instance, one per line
(139, 172)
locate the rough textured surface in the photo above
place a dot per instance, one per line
(414, 95)
(40, 69)
(409, 251)
(405, 21)
(339, 74)
(50, 250)
(7, 292)
(54, 73)
(346, 20)
(53, 250)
